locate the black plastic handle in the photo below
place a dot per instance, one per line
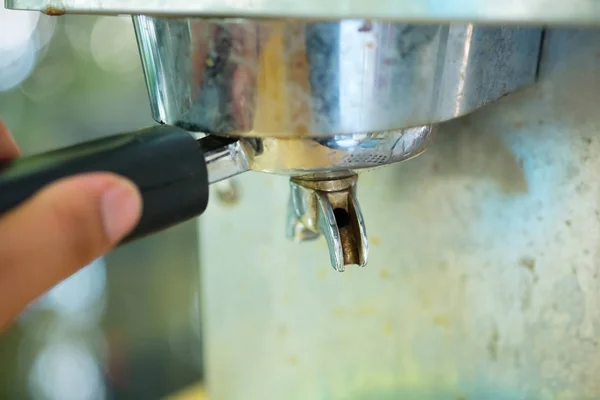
(166, 163)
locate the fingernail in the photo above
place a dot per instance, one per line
(121, 209)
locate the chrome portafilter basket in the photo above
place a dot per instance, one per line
(321, 100)
(323, 180)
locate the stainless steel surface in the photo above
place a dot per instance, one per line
(312, 79)
(302, 156)
(484, 265)
(225, 162)
(329, 207)
(319, 166)
(524, 11)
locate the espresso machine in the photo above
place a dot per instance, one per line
(483, 258)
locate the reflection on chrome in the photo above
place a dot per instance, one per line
(297, 79)
(66, 365)
(113, 45)
(81, 297)
(66, 371)
(22, 36)
(21, 63)
(16, 28)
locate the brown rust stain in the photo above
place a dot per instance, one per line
(54, 11)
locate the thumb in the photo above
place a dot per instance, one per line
(61, 229)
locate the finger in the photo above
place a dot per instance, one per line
(8, 146)
(62, 228)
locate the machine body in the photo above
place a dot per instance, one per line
(484, 250)
(320, 101)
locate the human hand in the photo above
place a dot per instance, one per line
(59, 230)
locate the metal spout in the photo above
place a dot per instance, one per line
(329, 207)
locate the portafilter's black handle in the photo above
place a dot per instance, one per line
(165, 162)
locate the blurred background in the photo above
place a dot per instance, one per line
(127, 326)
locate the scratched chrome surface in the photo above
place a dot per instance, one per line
(312, 79)
(527, 11)
(483, 280)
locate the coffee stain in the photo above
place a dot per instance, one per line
(527, 263)
(493, 345)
